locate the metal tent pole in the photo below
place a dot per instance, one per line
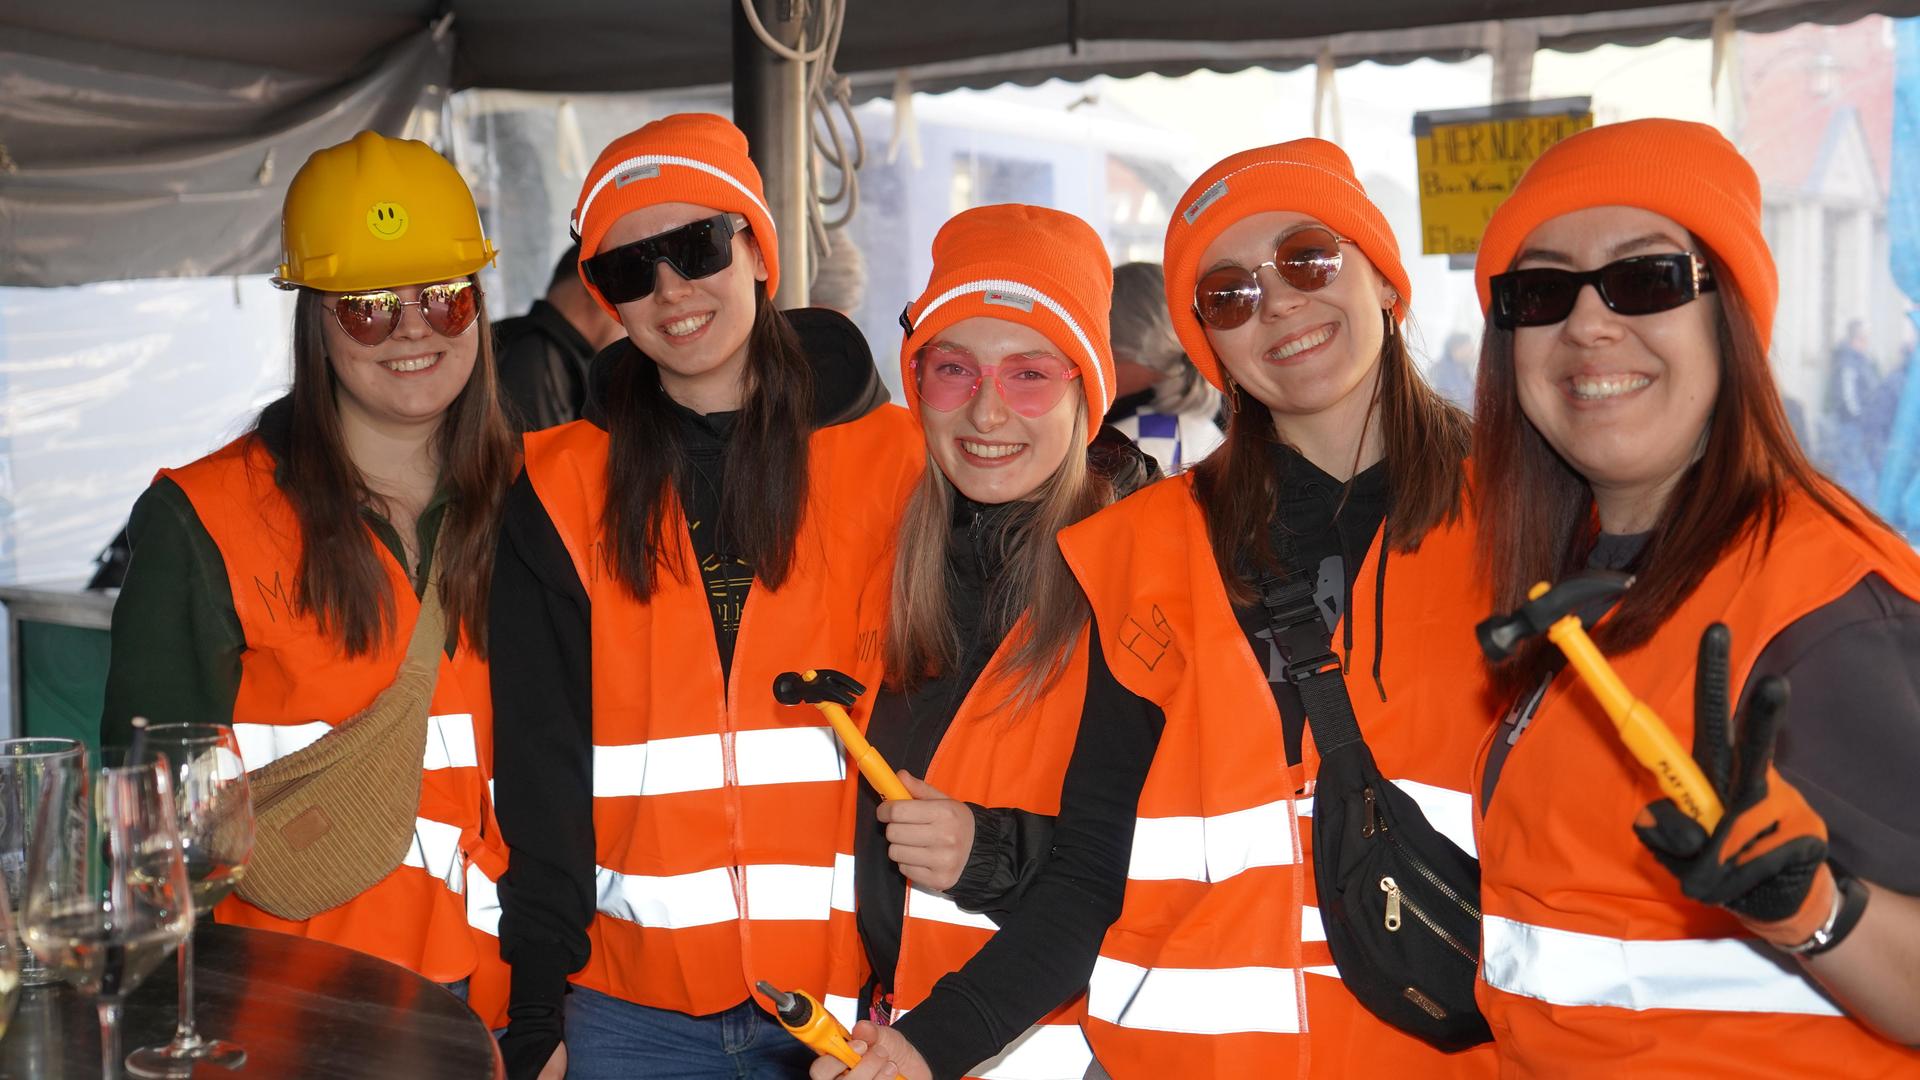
(770, 105)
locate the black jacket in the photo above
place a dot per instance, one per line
(542, 363)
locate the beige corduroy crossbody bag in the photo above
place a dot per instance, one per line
(334, 818)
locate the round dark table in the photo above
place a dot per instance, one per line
(301, 1008)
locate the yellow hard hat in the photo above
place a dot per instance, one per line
(378, 213)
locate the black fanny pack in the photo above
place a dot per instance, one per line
(1400, 901)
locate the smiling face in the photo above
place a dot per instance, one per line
(410, 378)
(989, 452)
(696, 331)
(1625, 399)
(1302, 354)
(388, 221)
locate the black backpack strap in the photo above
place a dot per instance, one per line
(1300, 633)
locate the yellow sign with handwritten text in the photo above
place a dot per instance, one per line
(1468, 163)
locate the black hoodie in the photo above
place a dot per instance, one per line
(541, 646)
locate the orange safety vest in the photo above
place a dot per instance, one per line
(723, 820)
(1218, 966)
(993, 759)
(438, 912)
(1594, 964)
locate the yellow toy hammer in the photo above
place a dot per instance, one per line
(830, 692)
(1555, 612)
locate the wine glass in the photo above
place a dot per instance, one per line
(9, 963)
(216, 830)
(25, 765)
(107, 894)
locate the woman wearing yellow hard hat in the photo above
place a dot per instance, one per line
(277, 583)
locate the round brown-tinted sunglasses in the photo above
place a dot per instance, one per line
(1307, 259)
(371, 317)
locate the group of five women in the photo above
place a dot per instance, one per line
(1114, 700)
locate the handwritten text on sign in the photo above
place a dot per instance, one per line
(1467, 169)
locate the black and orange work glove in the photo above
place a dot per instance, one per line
(1767, 860)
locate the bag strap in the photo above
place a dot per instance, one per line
(1306, 648)
(430, 627)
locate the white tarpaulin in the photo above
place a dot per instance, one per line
(121, 164)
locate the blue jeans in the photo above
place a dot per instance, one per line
(611, 1039)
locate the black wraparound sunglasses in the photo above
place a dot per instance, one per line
(695, 250)
(1640, 285)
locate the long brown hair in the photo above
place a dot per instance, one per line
(922, 640)
(1425, 441)
(340, 580)
(1537, 519)
(764, 489)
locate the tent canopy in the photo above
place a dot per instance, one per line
(586, 45)
(173, 128)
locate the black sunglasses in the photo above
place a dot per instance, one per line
(1641, 285)
(695, 250)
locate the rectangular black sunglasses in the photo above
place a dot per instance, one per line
(1640, 285)
(694, 250)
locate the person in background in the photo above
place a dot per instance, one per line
(1451, 376)
(983, 900)
(274, 584)
(675, 834)
(1858, 413)
(1899, 501)
(1164, 405)
(543, 355)
(1628, 421)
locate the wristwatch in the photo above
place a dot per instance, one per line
(1849, 903)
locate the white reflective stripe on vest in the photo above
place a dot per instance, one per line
(938, 907)
(790, 892)
(1195, 1001)
(483, 902)
(1211, 848)
(1042, 1052)
(450, 741)
(1311, 928)
(261, 744)
(1712, 975)
(844, 1009)
(436, 849)
(842, 881)
(797, 755)
(1450, 812)
(678, 901)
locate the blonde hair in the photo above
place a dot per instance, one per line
(1035, 596)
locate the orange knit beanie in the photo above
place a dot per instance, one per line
(1305, 176)
(1683, 170)
(1028, 265)
(696, 158)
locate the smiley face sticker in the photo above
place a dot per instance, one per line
(388, 221)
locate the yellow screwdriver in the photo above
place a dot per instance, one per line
(809, 1021)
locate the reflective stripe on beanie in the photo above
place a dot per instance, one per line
(614, 173)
